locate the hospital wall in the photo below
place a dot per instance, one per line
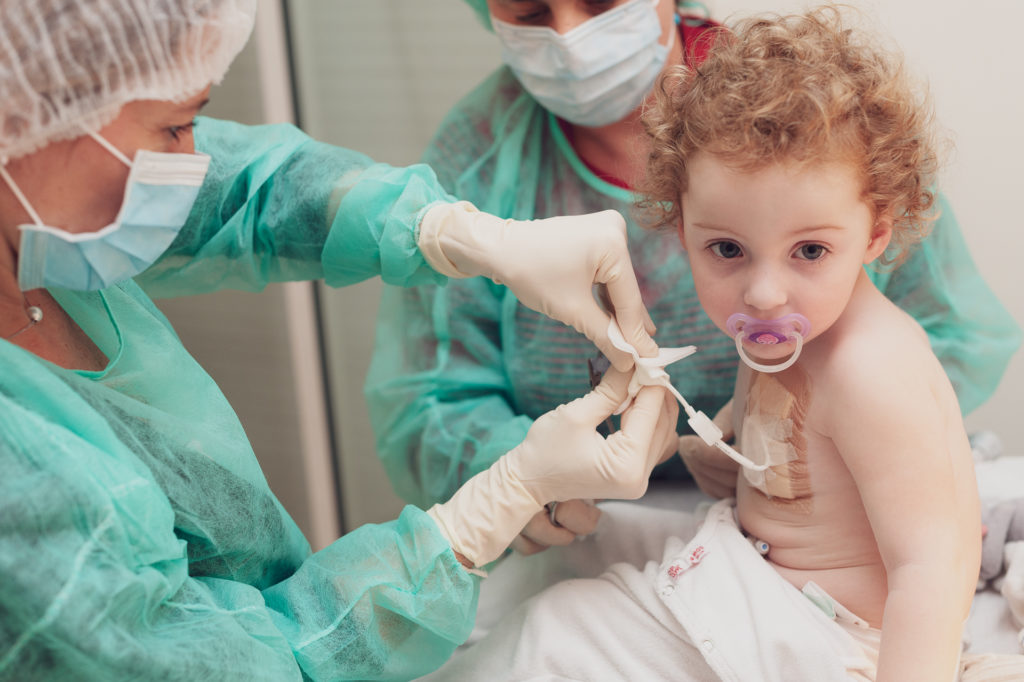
(378, 76)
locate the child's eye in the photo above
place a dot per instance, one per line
(811, 252)
(726, 249)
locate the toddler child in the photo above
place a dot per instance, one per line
(797, 154)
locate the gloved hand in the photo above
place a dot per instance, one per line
(551, 265)
(562, 458)
(713, 470)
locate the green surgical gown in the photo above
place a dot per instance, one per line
(460, 372)
(138, 537)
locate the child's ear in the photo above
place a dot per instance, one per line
(679, 233)
(881, 235)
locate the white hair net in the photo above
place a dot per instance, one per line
(67, 66)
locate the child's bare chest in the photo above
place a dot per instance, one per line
(806, 505)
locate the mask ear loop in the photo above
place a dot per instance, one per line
(770, 369)
(22, 199)
(671, 32)
(110, 148)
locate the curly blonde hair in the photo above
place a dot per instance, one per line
(798, 89)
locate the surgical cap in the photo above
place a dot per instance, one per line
(484, 14)
(68, 66)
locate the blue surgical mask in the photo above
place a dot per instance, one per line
(595, 74)
(158, 197)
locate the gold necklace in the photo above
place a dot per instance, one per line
(34, 314)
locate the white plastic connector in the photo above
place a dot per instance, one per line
(705, 428)
(712, 435)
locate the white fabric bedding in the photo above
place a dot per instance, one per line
(641, 534)
(992, 626)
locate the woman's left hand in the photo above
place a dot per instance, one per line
(551, 265)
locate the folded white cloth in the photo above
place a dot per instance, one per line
(710, 609)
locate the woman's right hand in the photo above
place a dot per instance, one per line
(562, 458)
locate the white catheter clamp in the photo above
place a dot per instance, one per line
(705, 428)
(651, 372)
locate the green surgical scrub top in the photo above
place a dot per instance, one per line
(138, 536)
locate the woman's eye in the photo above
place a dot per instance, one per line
(532, 14)
(177, 131)
(531, 18)
(726, 249)
(811, 252)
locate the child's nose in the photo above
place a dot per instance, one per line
(765, 290)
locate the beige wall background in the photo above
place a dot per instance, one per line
(378, 76)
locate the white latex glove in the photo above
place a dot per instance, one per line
(551, 265)
(713, 470)
(562, 458)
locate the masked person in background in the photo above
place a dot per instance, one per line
(460, 372)
(138, 535)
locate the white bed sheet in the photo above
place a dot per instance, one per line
(990, 628)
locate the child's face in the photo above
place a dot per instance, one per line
(775, 241)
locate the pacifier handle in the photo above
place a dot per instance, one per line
(770, 369)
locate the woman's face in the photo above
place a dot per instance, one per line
(77, 185)
(564, 15)
(589, 62)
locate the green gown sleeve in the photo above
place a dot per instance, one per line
(278, 206)
(438, 390)
(439, 395)
(971, 332)
(98, 585)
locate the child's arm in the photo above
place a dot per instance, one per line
(894, 430)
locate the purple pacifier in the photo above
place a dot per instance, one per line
(768, 332)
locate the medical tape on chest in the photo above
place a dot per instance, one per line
(651, 372)
(772, 432)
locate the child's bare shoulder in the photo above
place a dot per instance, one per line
(878, 361)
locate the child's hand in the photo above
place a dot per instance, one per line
(714, 472)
